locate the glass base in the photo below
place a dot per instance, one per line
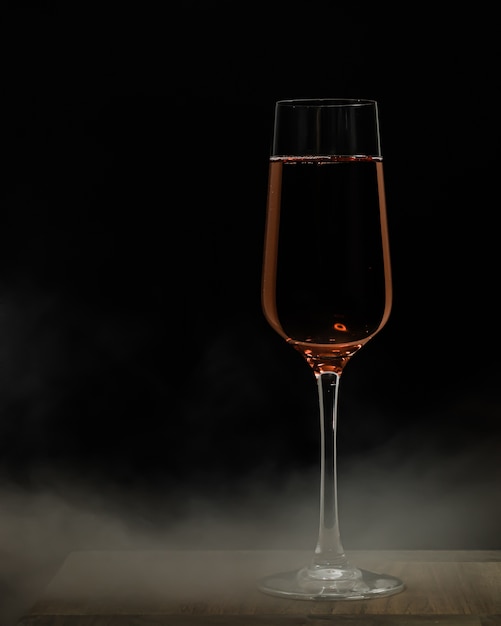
(347, 583)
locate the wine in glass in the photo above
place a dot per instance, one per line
(327, 290)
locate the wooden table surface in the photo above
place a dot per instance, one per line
(218, 588)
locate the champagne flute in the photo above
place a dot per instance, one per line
(326, 289)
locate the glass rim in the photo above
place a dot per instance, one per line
(326, 102)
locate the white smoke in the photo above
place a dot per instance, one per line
(386, 502)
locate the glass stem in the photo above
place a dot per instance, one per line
(329, 551)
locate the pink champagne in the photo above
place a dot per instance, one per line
(326, 278)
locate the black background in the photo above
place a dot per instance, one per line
(138, 377)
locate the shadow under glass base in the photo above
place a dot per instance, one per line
(330, 584)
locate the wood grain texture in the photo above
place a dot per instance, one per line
(191, 588)
(261, 620)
